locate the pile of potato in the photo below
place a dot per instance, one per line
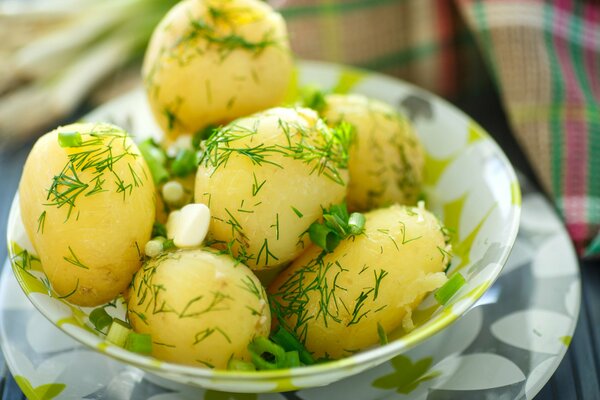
(266, 174)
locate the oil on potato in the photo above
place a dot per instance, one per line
(211, 61)
(88, 210)
(266, 178)
(200, 308)
(386, 159)
(338, 302)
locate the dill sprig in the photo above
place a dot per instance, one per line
(325, 150)
(90, 165)
(223, 37)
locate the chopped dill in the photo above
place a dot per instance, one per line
(74, 259)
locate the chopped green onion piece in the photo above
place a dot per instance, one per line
(118, 332)
(100, 318)
(201, 135)
(323, 236)
(266, 354)
(292, 359)
(313, 97)
(239, 365)
(289, 343)
(168, 244)
(356, 223)
(69, 139)
(155, 158)
(185, 163)
(159, 229)
(139, 343)
(445, 293)
(383, 339)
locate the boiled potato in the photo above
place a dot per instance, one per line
(88, 210)
(266, 178)
(335, 303)
(200, 308)
(386, 160)
(211, 61)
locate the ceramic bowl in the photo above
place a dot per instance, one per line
(470, 185)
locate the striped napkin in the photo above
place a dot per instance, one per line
(543, 57)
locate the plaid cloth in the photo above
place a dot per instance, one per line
(543, 56)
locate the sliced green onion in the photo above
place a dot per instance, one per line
(445, 293)
(266, 354)
(201, 135)
(323, 236)
(118, 332)
(289, 343)
(356, 223)
(159, 229)
(139, 343)
(69, 139)
(168, 244)
(100, 318)
(185, 163)
(313, 97)
(239, 365)
(155, 158)
(383, 339)
(292, 359)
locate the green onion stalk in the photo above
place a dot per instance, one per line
(56, 58)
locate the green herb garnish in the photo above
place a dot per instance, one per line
(445, 293)
(139, 343)
(100, 318)
(313, 97)
(69, 139)
(156, 160)
(185, 163)
(336, 226)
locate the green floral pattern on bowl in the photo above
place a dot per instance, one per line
(469, 183)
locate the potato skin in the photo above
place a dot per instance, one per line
(211, 61)
(263, 200)
(386, 160)
(200, 308)
(335, 305)
(89, 251)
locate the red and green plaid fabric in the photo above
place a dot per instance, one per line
(544, 57)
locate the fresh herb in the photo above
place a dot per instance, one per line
(139, 343)
(289, 343)
(324, 149)
(383, 339)
(238, 365)
(155, 159)
(69, 139)
(312, 96)
(336, 226)
(100, 318)
(118, 332)
(159, 229)
(202, 135)
(453, 285)
(185, 163)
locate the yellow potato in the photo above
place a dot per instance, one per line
(211, 61)
(200, 308)
(265, 179)
(335, 304)
(88, 211)
(386, 159)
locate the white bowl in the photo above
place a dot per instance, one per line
(470, 185)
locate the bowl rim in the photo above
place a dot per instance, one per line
(373, 355)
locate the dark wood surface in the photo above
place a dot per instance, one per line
(578, 375)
